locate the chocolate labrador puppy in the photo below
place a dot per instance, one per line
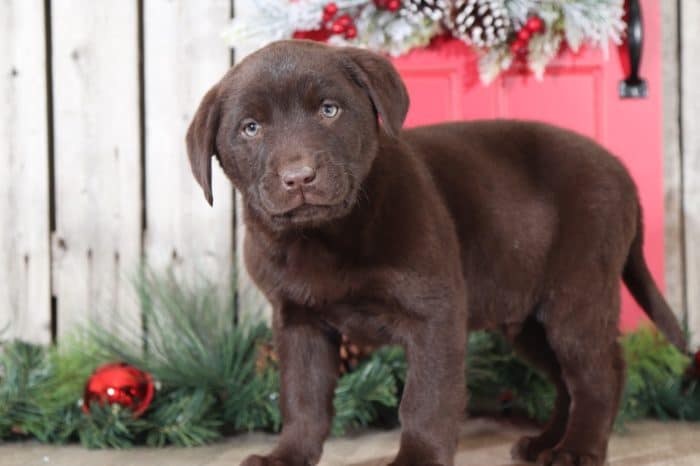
(413, 237)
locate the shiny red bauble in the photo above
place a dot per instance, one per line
(122, 384)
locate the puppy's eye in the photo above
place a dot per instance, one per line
(329, 110)
(251, 128)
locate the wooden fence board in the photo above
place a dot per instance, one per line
(184, 56)
(673, 175)
(690, 111)
(96, 246)
(25, 300)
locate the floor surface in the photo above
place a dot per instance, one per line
(482, 443)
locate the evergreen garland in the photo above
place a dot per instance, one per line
(212, 381)
(415, 23)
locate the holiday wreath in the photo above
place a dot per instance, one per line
(194, 375)
(503, 31)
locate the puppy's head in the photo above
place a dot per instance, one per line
(295, 127)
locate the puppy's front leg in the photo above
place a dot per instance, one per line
(434, 397)
(309, 361)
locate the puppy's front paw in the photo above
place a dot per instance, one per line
(560, 457)
(257, 460)
(528, 449)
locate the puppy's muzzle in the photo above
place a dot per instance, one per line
(305, 188)
(297, 177)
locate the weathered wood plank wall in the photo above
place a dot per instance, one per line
(99, 135)
(97, 242)
(124, 79)
(184, 56)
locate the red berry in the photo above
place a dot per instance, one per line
(330, 9)
(345, 20)
(337, 28)
(535, 24)
(381, 3)
(517, 47)
(319, 35)
(351, 32)
(524, 35)
(393, 5)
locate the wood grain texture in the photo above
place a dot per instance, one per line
(96, 246)
(184, 56)
(25, 299)
(673, 186)
(690, 111)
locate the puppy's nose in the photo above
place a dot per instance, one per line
(297, 177)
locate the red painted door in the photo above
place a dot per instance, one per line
(579, 92)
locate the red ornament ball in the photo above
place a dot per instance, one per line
(122, 384)
(535, 24)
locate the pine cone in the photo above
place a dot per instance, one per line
(266, 357)
(435, 10)
(351, 355)
(482, 23)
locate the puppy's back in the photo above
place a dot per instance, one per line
(490, 160)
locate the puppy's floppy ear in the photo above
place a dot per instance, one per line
(201, 140)
(383, 84)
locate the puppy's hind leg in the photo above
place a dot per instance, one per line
(531, 343)
(583, 334)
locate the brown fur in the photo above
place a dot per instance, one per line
(412, 237)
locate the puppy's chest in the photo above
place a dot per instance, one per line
(312, 275)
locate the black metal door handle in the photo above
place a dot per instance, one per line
(634, 86)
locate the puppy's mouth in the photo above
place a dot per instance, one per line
(303, 207)
(306, 211)
(302, 200)
(308, 208)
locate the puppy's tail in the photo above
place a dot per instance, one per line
(639, 281)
